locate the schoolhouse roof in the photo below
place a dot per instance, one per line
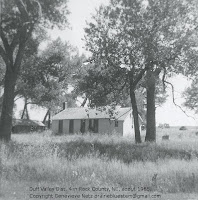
(26, 122)
(88, 113)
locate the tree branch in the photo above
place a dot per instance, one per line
(4, 56)
(19, 55)
(163, 77)
(7, 48)
(5, 41)
(24, 36)
(139, 77)
(14, 42)
(173, 95)
(18, 98)
(118, 89)
(84, 102)
(22, 9)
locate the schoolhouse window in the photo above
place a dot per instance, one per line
(95, 125)
(60, 126)
(91, 125)
(32, 128)
(71, 126)
(116, 123)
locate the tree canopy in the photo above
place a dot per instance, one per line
(129, 39)
(44, 79)
(19, 22)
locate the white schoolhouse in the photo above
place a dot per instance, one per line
(82, 120)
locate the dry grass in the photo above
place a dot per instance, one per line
(93, 160)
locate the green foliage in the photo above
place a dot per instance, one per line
(127, 38)
(45, 76)
(19, 20)
(133, 33)
(191, 62)
(16, 13)
(101, 86)
(191, 96)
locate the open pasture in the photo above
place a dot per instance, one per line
(168, 168)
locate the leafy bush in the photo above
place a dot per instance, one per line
(182, 128)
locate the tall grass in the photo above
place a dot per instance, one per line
(98, 160)
(108, 147)
(172, 175)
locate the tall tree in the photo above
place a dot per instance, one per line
(45, 82)
(132, 39)
(107, 86)
(19, 19)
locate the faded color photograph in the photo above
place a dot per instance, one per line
(98, 99)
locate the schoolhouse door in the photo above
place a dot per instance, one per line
(82, 126)
(95, 125)
(60, 126)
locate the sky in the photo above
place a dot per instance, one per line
(171, 114)
(81, 11)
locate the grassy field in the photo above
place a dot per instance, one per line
(43, 166)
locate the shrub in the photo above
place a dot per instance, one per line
(182, 128)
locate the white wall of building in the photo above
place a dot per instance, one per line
(104, 126)
(128, 126)
(108, 126)
(77, 124)
(55, 126)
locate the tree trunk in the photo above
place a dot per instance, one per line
(8, 104)
(84, 102)
(135, 117)
(24, 108)
(49, 120)
(151, 124)
(47, 113)
(25, 111)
